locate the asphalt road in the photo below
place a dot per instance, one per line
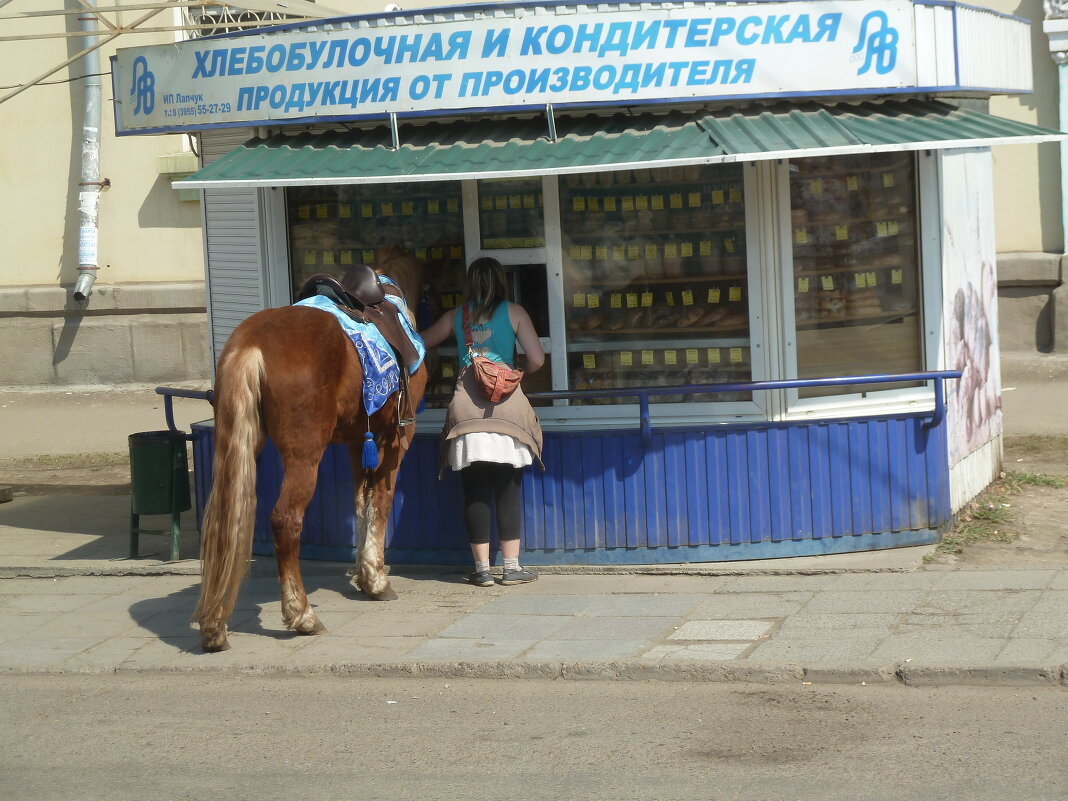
(163, 736)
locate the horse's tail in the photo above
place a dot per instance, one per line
(226, 539)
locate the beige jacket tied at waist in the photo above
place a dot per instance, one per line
(469, 411)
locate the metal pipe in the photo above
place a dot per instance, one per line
(90, 185)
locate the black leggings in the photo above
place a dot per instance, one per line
(486, 483)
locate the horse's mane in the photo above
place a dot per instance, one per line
(402, 267)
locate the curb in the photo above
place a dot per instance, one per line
(921, 676)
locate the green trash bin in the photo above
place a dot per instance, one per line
(159, 476)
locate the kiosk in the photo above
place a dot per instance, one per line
(755, 238)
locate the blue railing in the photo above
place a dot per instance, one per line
(643, 394)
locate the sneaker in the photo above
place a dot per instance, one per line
(481, 578)
(522, 576)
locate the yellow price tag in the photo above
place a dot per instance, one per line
(893, 228)
(578, 204)
(387, 209)
(736, 194)
(669, 298)
(718, 197)
(344, 211)
(815, 186)
(896, 276)
(346, 256)
(628, 203)
(593, 204)
(713, 294)
(800, 236)
(600, 252)
(736, 355)
(528, 202)
(888, 179)
(407, 208)
(713, 356)
(734, 293)
(615, 300)
(647, 357)
(433, 206)
(860, 280)
(686, 249)
(671, 250)
(609, 204)
(728, 244)
(634, 252)
(456, 251)
(515, 201)
(328, 257)
(670, 357)
(652, 251)
(687, 297)
(309, 257)
(641, 202)
(705, 247)
(852, 184)
(500, 203)
(872, 279)
(578, 300)
(691, 355)
(802, 285)
(446, 370)
(452, 204)
(619, 252)
(632, 300)
(694, 199)
(486, 203)
(626, 358)
(368, 257)
(882, 228)
(420, 253)
(675, 200)
(304, 212)
(367, 210)
(589, 361)
(437, 252)
(658, 202)
(841, 232)
(647, 299)
(827, 282)
(593, 300)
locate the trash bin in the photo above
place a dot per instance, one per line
(159, 476)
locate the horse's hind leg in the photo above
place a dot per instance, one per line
(374, 498)
(287, 520)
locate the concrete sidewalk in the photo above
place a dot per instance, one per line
(74, 603)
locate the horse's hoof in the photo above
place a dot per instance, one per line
(388, 594)
(314, 627)
(213, 645)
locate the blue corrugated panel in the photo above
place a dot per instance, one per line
(703, 494)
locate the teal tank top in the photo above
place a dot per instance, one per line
(498, 345)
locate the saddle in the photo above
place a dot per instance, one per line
(361, 296)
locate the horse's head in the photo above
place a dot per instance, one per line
(404, 268)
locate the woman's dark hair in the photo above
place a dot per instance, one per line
(484, 288)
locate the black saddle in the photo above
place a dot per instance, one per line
(358, 287)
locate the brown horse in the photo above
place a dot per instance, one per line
(292, 374)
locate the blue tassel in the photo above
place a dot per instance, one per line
(370, 452)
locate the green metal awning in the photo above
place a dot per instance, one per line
(521, 147)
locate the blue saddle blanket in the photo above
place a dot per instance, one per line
(381, 374)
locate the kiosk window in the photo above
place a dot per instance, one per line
(655, 279)
(856, 268)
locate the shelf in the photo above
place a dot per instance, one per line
(650, 331)
(814, 324)
(651, 280)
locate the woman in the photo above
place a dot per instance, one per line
(490, 443)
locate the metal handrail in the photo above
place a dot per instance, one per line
(643, 393)
(939, 377)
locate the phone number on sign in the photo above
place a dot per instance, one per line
(199, 110)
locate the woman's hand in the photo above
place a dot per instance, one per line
(527, 336)
(439, 331)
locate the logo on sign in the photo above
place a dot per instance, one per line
(878, 47)
(144, 86)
